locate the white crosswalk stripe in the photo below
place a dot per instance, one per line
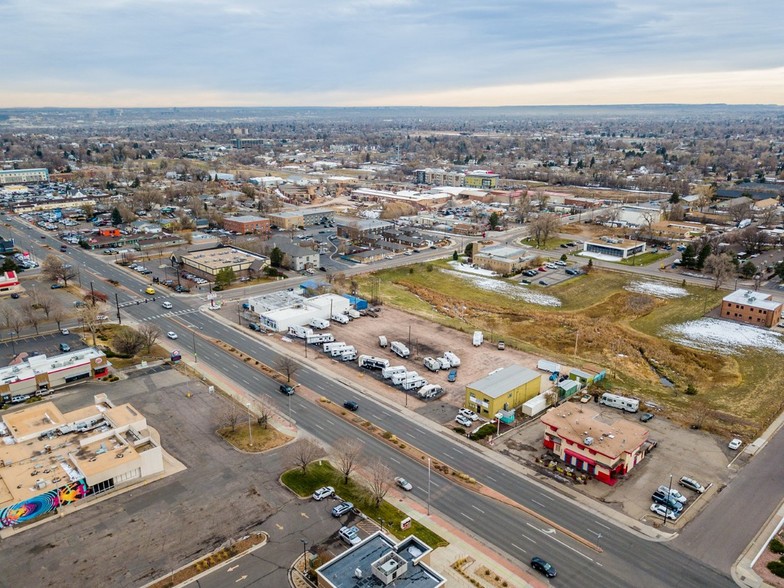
(169, 314)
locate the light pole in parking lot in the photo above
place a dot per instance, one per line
(304, 556)
(667, 502)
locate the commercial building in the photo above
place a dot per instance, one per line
(754, 308)
(295, 257)
(639, 216)
(361, 228)
(9, 283)
(280, 310)
(52, 459)
(613, 248)
(480, 178)
(317, 216)
(246, 224)
(503, 259)
(380, 561)
(505, 389)
(207, 264)
(288, 219)
(581, 438)
(23, 176)
(439, 177)
(39, 375)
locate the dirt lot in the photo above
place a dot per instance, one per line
(680, 452)
(426, 339)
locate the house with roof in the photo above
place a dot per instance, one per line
(585, 440)
(379, 561)
(754, 308)
(502, 390)
(296, 257)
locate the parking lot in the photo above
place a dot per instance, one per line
(679, 452)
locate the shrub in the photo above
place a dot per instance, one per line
(691, 390)
(460, 430)
(776, 546)
(777, 567)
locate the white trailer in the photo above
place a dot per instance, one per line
(318, 338)
(319, 323)
(300, 331)
(429, 391)
(417, 382)
(549, 366)
(336, 351)
(398, 379)
(615, 401)
(382, 341)
(444, 362)
(328, 347)
(373, 363)
(478, 338)
(534, 406)
(390, 371)
(349, 354)
(432, 364)
(340, 318)
(454, 360)
(399, 349)
(353, 313)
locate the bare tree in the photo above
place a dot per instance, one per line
(45, 302)
(55, 269)
(739, 211)
(380, 480)
(288, 367)
(304, 452)
(230, 415)
(349, 451)
(705, 195)
(128, 342)
(752, 238)
(719, 266)
(57, 313)
(263, 411)
(30, 312)
(12, 319)
(88, 315)
(150, 334)
(542, 227)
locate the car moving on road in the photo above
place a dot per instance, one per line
(404, 484)
(341, 509)
(323, 493)
(351, 405)
(166, 304)
(286, 389)
(171, 335)
(543, 567)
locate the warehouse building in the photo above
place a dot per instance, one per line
(207, 264)
(503, 390)
(280, 310)
(613, 249)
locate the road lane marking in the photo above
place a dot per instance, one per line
(240, 579)
(601, 525)
(539, 503)
(232, 568)
(457, 450)
(436, 484)
(491, 478)
(546, 496)
(279, 526)
(477, 508)
(304, 515)
(318, 426)
(572, 548)
(527, 537)
(466, 516)
(518, 547)
(395, 460)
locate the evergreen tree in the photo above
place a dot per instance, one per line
(704, 253)
(117, 218)
(688, 256)
(276, 257)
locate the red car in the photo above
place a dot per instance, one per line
(541, 269)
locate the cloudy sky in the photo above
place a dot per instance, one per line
(389, 52)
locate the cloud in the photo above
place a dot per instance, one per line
(361, 50)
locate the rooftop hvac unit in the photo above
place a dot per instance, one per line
(358, 573)
(588, 440)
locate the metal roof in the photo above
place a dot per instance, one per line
(503, 380)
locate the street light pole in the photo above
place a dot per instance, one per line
(250, 432)
(428, 486)
(667, 503)
(195, 357)
(304, 556)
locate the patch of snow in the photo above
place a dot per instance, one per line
(657, 289)
(724, 336)
(469, 269)
(507, 289)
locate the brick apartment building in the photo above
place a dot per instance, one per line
(246, 224)
(754, 308)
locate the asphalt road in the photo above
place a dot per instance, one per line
(626, 558)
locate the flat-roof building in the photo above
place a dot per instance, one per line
(613, 249)
(502, 390)
(23, 176)
(52, 459)
(504, 259)
(754, 308)
(379, 561)
(209, 263)
(246, 224)
(280, 310)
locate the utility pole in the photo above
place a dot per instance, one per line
(117, 302)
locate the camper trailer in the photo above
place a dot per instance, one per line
(318, 323)
(399, 349)
(373, 363)
(390, 371)
(621, 402)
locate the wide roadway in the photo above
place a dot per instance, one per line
(626, 560)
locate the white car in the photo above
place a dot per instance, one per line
(350, 535)
(171, 335)
(550, 266)
(735, 444)
(65, 332)
(560, 263)
(166, 304)
(662, 510)
(464, 421)
(404, 484)
(324, 492)
(469, 414)
(674, 494)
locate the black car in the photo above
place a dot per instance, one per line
(286, 389)
(646, 416)
(351, 405)
(543, 566)
(15, 295)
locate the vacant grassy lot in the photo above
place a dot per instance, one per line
(256, 440)
(322, 473)
(645, 258)
(615, 329)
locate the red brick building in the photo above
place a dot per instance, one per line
(246, 224)
(754, 308)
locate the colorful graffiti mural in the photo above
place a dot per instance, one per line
(23, 512)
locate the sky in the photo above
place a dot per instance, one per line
(154, 53)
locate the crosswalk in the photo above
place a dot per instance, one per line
(169, 314)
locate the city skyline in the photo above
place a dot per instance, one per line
(390, 52)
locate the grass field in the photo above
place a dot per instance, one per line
(322, 473)
(552, 243)
(616, 329)
(645, 258)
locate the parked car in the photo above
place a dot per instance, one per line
(662, 511)
(542, 283)
(501, 345)
(452, 375)
(171, 335)
(560, 263)
(286, 389)
(646, 416)
(464, 421)
(254, 327)
(572, 272)
(541, 269)
(351, 405)
(56, 286)
(101, 317)
(673, 493)
(341, 509)
(663, 498)
(15, 295)
(65, 347)
(735, 444)
(323, 493)
(691, 484)
(65, 332)
(350, 535)
(543, 567)
(469, 414)
(404, 484)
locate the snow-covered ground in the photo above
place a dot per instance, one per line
(724, 336)
(468, 269)
(507, 289)
(657, 289)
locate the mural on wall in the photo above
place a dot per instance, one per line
(23, 512)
